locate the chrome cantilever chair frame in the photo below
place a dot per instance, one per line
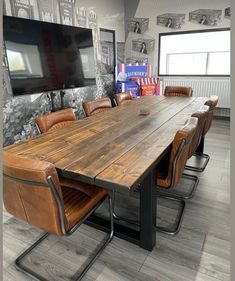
(170, 195)
(78, 276)
(199, 154)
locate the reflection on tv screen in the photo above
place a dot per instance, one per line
(45, 56)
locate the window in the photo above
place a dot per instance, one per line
(200, 53)
(88, 61)
(24, 60)
(16, 61)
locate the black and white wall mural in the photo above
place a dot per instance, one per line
(120, 52)
(19, 111)
(136, 60)
(227, 13)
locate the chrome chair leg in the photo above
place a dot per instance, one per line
(179, 218)
(78, 276)
(119, 218)
(202, 168)
(177, 224)
(181, 195)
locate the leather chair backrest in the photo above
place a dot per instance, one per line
(201, 114)
(122, 98)
(212, 102)
(176, 160)
(55, 120)
(26, 194)
(96, 106)
(171, 91)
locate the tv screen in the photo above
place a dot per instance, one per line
(47, 56)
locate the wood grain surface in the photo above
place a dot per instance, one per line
(115, 148)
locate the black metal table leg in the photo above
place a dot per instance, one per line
(148, 212)
(200, 148)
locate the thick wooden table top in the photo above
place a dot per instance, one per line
(115, 148)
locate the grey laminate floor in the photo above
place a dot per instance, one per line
(200, 252)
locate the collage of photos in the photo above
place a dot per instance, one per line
(142, 45)
(209, 17)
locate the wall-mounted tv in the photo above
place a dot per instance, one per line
(47, 56)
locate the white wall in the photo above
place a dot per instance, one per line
(152, 8)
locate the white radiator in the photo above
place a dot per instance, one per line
(203, 87)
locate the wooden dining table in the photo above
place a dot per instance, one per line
(118, 149)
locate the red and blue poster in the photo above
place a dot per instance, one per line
(124, 72)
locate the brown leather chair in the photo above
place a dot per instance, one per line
(33, 192)
(171, 91)
(96, 106)
(171, 170)
(55, 120)
(212, 102)
(201, 114)
(122, 98)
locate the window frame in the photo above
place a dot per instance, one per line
(189, 32)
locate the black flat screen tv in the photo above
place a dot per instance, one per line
(45, 56)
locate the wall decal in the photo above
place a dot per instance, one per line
(22, 9)
(227, 12)
(81, 16)
(66, 11)
(171, 20)
(92, 19)
(120, 52)
(47, 10)
(144, 46)
(138, 25)
(205, 16)
(136, 60)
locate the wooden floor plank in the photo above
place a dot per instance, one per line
(200, 252)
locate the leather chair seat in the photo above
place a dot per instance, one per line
(162, 179)
(169, 176)
(34, 193)
(212, 102)
(201, 114)
(35, 204)
(123, 98)
(60, 125)
(171, 91)
(55, 120)
(96, 106)
(77, 204)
